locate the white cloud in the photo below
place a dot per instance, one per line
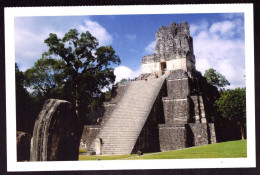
(203, 25)
(131, 36)
(98, 31)
(216, 47)
(150, 48)
(225, 28)
(30, 34)
(125, 72)
(29, 46)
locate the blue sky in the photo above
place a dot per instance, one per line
(218, 39)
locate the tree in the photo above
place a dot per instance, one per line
(232, 105)
(24, 119)
(124, 80)
(85, 65)
(216, 79)
(46, 78)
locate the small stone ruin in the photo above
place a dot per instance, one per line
(23, 141)
(57, 133)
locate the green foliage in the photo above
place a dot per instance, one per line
(215, 78)
(124, 80)
(74, 69)
(46, 78)
(25, 117)
(232, 105)
(108, 95)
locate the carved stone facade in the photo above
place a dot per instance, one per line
(173, 50)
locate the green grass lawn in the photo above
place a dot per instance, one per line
(231, 149)
(82, 151)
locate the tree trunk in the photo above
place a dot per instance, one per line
(242, 132)
(77, 101)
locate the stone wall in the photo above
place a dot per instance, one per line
(187, 105)
(174, 40)
(178, 88)
(151, 67)
(178, 85)
(149, 59)
(89, 134)
(200, 132)
(212, 133)
(176, 110)
(172, 137)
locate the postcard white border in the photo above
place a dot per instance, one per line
(13, 165)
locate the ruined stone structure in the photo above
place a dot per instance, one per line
(173, 50)
(23, 141)
(168, 107)
(56, 134)
(186, 122)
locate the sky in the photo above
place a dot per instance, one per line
(218, 39)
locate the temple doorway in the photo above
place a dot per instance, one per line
(163, 67)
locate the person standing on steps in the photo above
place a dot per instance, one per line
(156, 75)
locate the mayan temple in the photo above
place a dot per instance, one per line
(167, 107)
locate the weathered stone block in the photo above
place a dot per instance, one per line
(57, 133)
(212, 133)
(176, 110)
(200, 131)
(178, 88)
(89, 134)
(172, 137)
(23, 141)
(174, 41)
(194, 108)
(177, 74)
(148, 59)
(198, 109)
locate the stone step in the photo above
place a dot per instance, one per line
(116, 149)
(123, 126)
(110, 135)
(118, 141)
(132, 124)
(117, 145)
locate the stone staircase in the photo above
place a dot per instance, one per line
(121, 131)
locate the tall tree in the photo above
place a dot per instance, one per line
(24, 119)
(232, 105)
(46, 79)
(216, 79)
(86, 66)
